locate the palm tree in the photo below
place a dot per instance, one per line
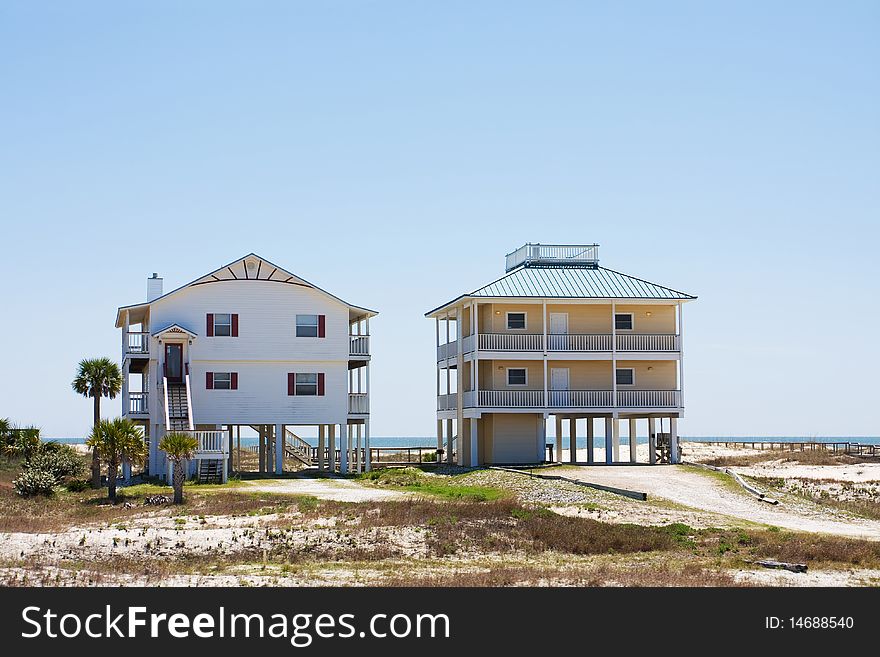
(179, 447)
(5, 432)
(115, 441)
(96, 378)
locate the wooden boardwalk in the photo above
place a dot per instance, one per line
(842, 447)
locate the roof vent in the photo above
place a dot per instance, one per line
(554, 255)
(251, 265)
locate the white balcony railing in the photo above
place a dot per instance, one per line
(137, 342)
(562, 399)
(447, 350)
(578, 255)
(647, 342)
(511, 398)
(358, 402)
(581, 398)
(359, 345)
(511, 341)
(447, 402)
(137, 402)
(579, 342)
(648, 398)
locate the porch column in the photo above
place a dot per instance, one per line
(615, 428)
(572, 440)
(475, 451)
(652, 442)
(280, 440)
(633, 442)
(558, 456)
(542, 438)
(590, 440)
(609, 438)
(369, 458)
(449, 441)
(343, 448)
(331, 457)
(439, 434)
(238, 447)
(321, 447)
(262, 453)
(230, 448)
(673, 440)
(360, 438)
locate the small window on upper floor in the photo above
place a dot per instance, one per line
(222, 324)
(516, 321)
(306, 384)
(623, 321)
(517, 376)
(222, 380)
(626, 376)
(307, 326)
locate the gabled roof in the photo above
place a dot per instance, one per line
(571, 283)
(175, 328)
(250, 267)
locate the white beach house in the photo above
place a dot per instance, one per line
(248, 345)
(559, 336)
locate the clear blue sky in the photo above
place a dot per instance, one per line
(393, 152)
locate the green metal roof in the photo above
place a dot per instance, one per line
(572, 283)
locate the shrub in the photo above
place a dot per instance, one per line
(33, 481)
(77, 485)
(61, 461)
(430, 457)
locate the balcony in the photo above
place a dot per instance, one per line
(574, 342)
(359, 345)
(599, 399)
(212, 444)
(137, 403)
(358, 403)
(137, 343)
(554, 255)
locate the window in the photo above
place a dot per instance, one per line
(516, 321)
(307, 326)
(517, 376)
(626, 376)
(221, 380)
(623, 321)
(306, 384)
(223, 324)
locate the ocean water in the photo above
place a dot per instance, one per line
(598, 441)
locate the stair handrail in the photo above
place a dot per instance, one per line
(189, 406)
(298, 446)
(165, 395)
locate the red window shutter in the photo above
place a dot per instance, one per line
(209, 380)
(321, 324)
(320, 383)
(235, 326)
(210, 328)
(233, 380)
(291, 387)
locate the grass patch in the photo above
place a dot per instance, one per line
(806, 457)
(415, 480)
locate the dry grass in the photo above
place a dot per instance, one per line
(806, 457)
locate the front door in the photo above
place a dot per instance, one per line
(558, 323)
(174, 362)
(559, 386)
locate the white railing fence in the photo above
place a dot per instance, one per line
(511, 341)
(648, 398)
(138, 342)
(511, 398)
(581, 398)
(215, 442)
(647, 342)
(359, 345)
(137, 402)
(579, 342)
(447, 350)
(358, 402)
(447, 402)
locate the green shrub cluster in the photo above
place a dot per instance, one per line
(48, 466)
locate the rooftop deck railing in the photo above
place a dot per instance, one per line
(560, 255)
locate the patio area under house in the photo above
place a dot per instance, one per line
(559, 336)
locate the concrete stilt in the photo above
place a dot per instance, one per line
(572, 440)
(673, 440)
(449, 438)
(262, 453)
(321, 447)
(615, 442)
(280, 439)
(633, 441)
(609, 451)
(331, 457)
(343, 448)
(369, 457)
(474, 459)
(652, 441)
(590, 440)
(558, 456)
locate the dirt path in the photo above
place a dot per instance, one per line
(703, 491)
(341, 490)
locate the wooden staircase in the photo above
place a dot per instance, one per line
(177, 407)
(297, 448)
(210, 471)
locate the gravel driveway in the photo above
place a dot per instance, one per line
(695, 489)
